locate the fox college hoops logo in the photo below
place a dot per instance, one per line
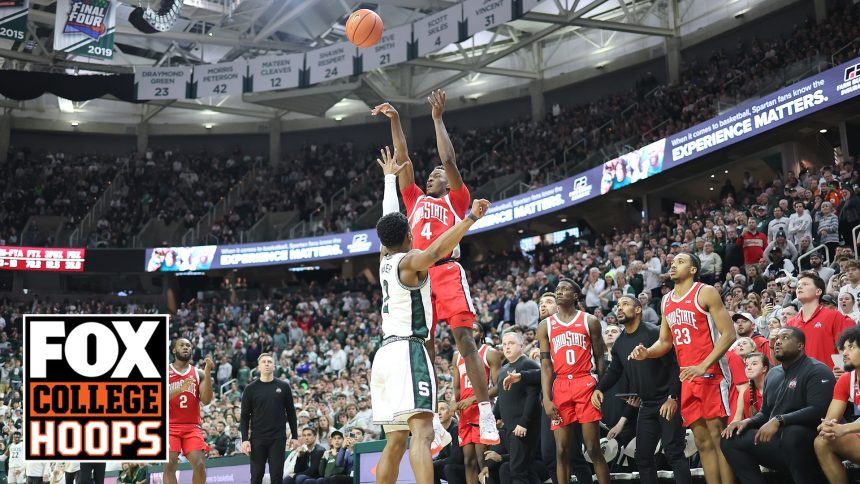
(95, 387)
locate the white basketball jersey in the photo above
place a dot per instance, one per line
(16, 455)
(406, 311)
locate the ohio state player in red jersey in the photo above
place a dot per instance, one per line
(469, 435)
(571, 352)
(697, 323)
(188, 389)
(447, 200)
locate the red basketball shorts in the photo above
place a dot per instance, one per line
(703, 399)
(572, 397)
(468, 429)
(452, 301)
(186, 438)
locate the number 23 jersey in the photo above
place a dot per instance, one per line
(693, 332)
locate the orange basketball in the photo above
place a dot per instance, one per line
(364, 28)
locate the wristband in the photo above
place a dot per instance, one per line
(473, 217)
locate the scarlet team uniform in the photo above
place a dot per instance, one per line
(693, 335)
(469, 418)
(186, 434)
(429, 217)
(847, 390)
(575, 370)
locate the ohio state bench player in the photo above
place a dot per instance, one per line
(447, 200)
(189, 387)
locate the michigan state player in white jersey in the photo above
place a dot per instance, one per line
(404, 395)
(15, 453)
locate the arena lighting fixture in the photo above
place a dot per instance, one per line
(563, 220)
(338, 118)
(713, 176)
(726, 172)
(151, 21)
(823, 130)
(741, 13)
(601, 65)
(75, 124)
(520, 231)
(712, 188)
(629, 200)
(208, 126)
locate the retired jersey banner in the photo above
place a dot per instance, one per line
(439, 30)
(392, 48)
(95, 387)
(486, 14)
(85, 27)
(220, 79)
(332, 62)
(270, 73)
(162, 82)
(13, 19)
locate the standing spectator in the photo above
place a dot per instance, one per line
(594, 287)
(828, 228)
(796, 395)
(824, 272)
(712, 265)
(788, 249)
(649, 315)
(337, 357)
(753, 243)
(225, 371)
(849, 216)
(518, 408)
(777, 224)
(821, 325)
(527, 312)
(243, 376)
(852, 285)
(799, 224)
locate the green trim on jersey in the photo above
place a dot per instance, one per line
(419, 322)
(420, 374)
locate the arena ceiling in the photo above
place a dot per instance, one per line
(572, 38)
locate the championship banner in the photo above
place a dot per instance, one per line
(95, 388)
(85, 27)
(162, 82)
(44, 259)
(220, 79)
(393, 48)
(485, 14)
(332, 62)
(275, 72)
(13, 19)
(439, 30)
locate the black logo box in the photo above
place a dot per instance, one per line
(60, 371)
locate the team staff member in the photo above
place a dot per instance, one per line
(657, 383)
(795, 399)
(821, 325)
(267, 407)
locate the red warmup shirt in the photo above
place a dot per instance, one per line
(737, 367)
(753, 246)
(847, 390)
(822, 331)
(762, 345)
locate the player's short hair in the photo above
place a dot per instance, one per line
(547, 294)
(567, 280)
(439, 168)
(177, 340)
(796, 333)
(850, 335)
(633, 300)
(816, 279)
(694, 261)
(310, 429)
(263, 355)
(392, 229)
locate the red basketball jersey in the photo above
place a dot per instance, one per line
(185, 409)
(570, 343)
(693, 333)
(466, 389)
(429, 217)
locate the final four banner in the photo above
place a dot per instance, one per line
(220, 79)
(332, 62)
(439, 30)
(162, 82)
(13, 19)
(393, 48)
(275, 72)
(486, 14)
(85, 27)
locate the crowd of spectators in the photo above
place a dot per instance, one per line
(175, 186)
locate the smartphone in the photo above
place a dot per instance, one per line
(837, 361)
(625, 396)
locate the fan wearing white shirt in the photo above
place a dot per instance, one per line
(852, 285)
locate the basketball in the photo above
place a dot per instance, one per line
(364, 28)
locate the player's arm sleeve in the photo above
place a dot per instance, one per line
(410, 196)
(291, 412)
(245, 418)
(461, 200)
(389, 197)
(819, 393)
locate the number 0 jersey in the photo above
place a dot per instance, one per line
(693, 333)
(406, 311)
(570, 343)
(429, 217)
(185, 409)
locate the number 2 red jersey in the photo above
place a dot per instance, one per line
(570, 344)
(184, 409)
(429, 217)
(466, 389)
(693, 333)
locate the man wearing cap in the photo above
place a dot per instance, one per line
(825, 273)
(753, 243)
(779, 264)
(760, 214)
(777, 224)
(788, 249)
(745, 327)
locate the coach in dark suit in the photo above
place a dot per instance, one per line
(519, 409)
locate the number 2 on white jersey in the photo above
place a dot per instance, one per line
(425, 232)
(682, 336)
